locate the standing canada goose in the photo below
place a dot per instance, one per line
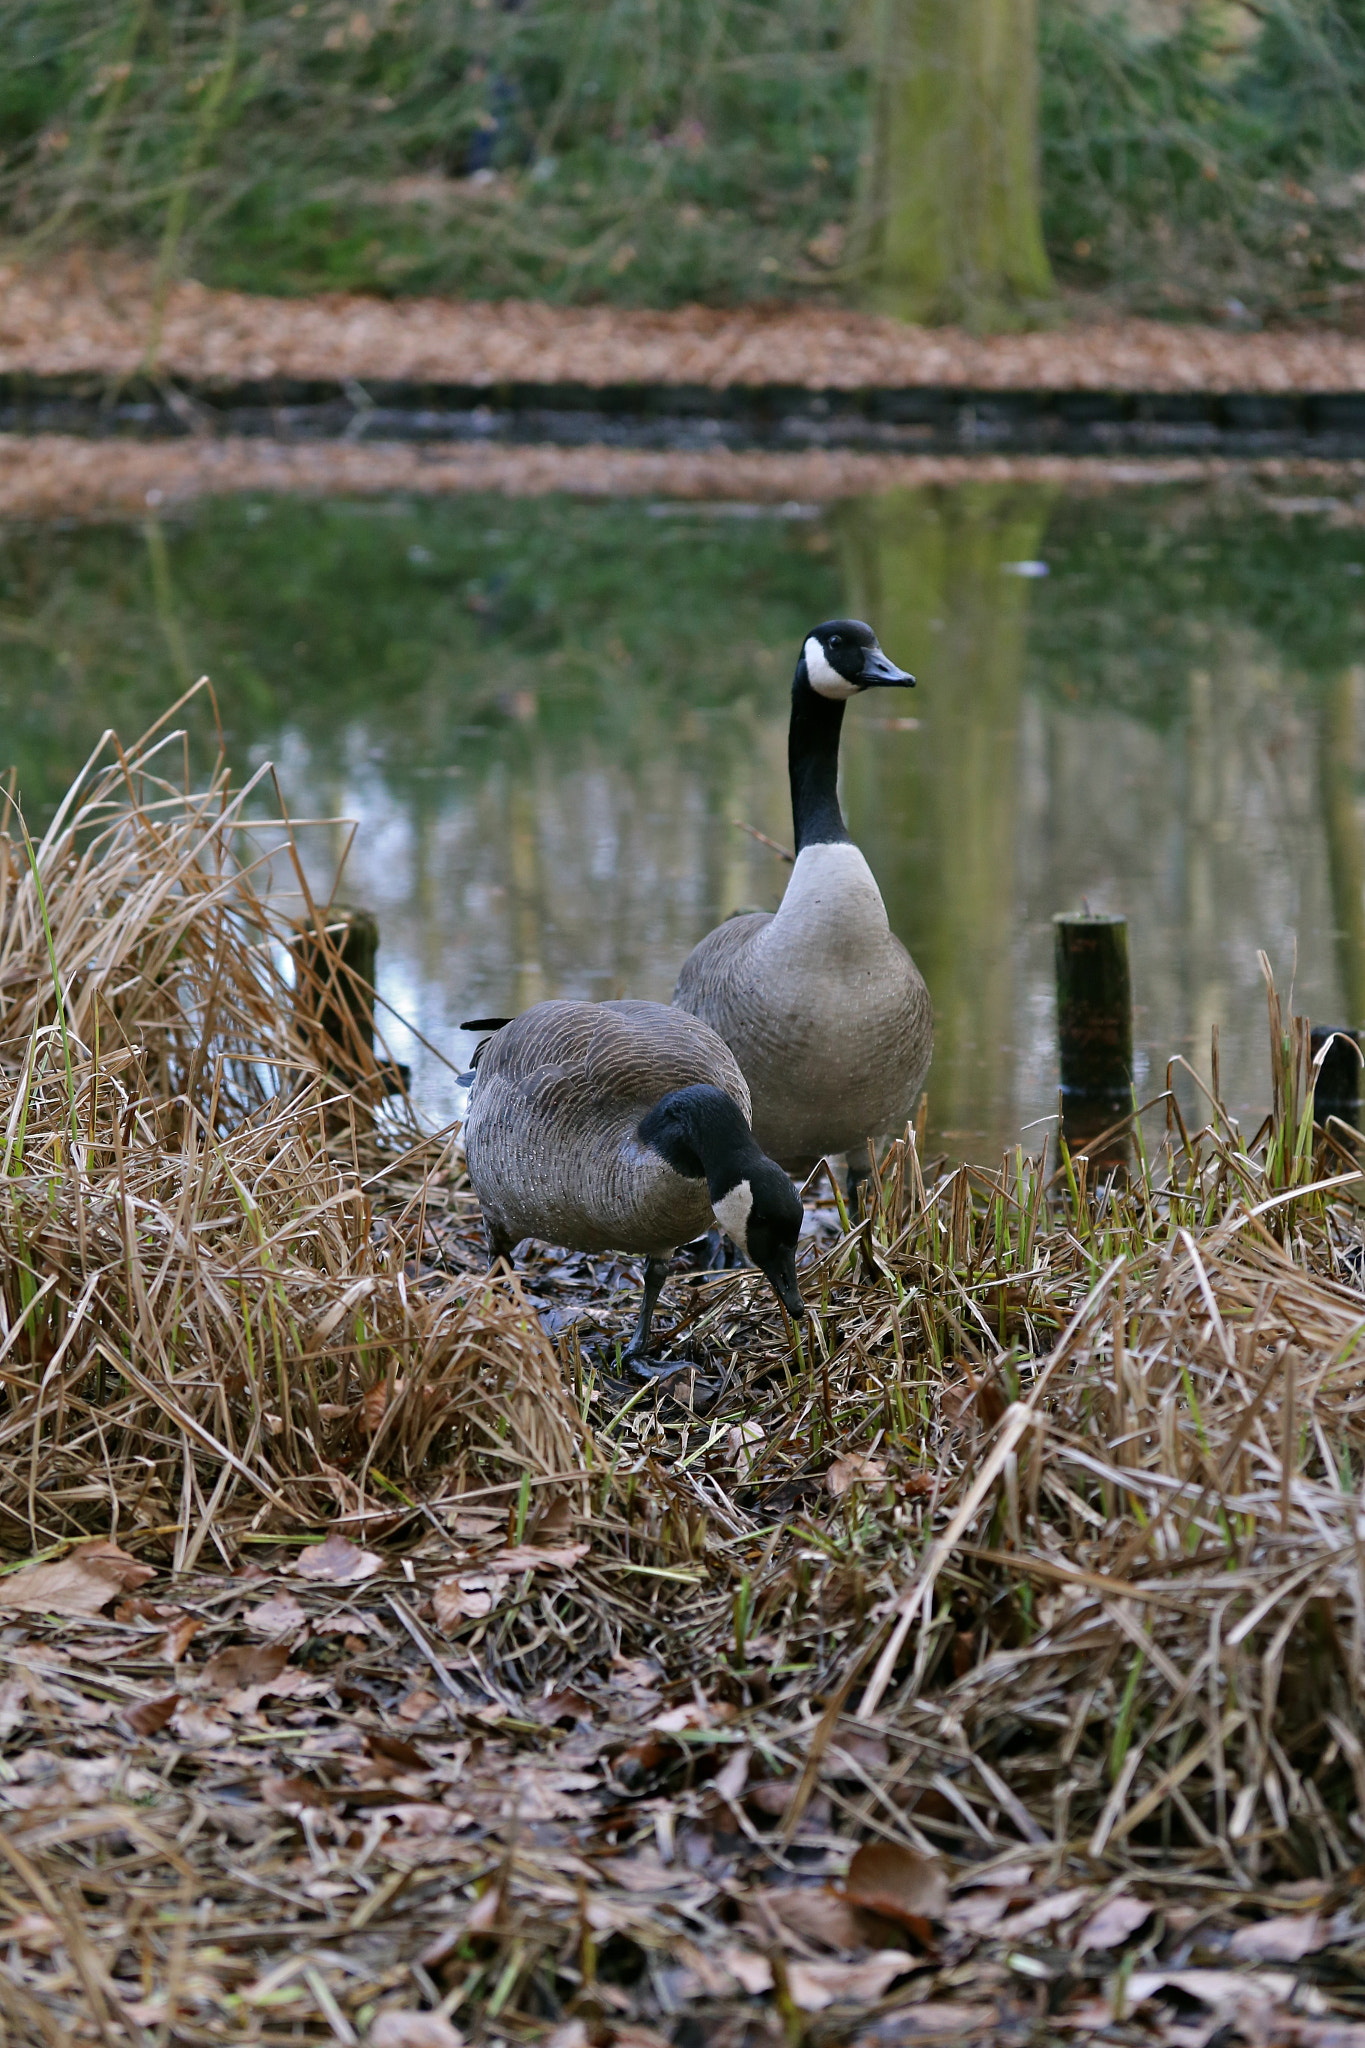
(819, 1001)
(623, 1127)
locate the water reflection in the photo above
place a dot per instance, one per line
(548, 717)
(937, 808)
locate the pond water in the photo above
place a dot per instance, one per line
(549, 720)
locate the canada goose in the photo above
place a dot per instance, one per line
(819, 1001)
(623, 1127)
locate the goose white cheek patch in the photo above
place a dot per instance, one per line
(732, 1212)
(824, 677)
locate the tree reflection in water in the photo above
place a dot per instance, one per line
(546, 717)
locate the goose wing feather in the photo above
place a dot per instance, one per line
(550, 1137)
(715, 975)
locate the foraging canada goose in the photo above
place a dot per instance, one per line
(819, 1001)
(623, 1127)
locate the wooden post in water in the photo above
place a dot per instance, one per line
(1338, 1087)
(1094, 1026)
(334, 996)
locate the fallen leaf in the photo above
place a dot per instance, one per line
(1245, 2001)
(483, 1914)
(935, 2017)
(526, 1557)
(13, 1694)
(853, 1747)
(291, 1795)
(416, 1705)
(1281, 1940)
(338, 1560)
(33, 1931)
(900, 1884)
(1046, 1913)
(151, 1716)
(421, 1819)
(476, 1522)
(201, 1727)
(573, 2034)
(1116, 1919)
(555, 1520)
(646, 1871)
(635, 1763)
(177, 1640)
(139, 1608)
(81, 1583)
(812, 1913)
(244, 1664)
(733, 1775)
(854, 1470)
(291, 1683)
(391, 1749)
(977, 1912)
(772, 1797)
(693, 1714)
(462, 1598)
(636, 1674)
(413, 2030)
(373, 1403)
(1010, 1877)
(814, 1985)
(564, 1704)
(280, 1615)
(753, 1973)
(745, 1444)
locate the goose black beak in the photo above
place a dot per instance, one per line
(878, 669)
(781, 1277)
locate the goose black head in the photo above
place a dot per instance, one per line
(702, 1133)
(842, 658)
(762, 1212)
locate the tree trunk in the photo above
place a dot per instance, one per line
(952, 228)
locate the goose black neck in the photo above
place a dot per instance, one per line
(813, 766)
(702, 1134)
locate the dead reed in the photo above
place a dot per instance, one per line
(204, 1325)
(1037, 1565)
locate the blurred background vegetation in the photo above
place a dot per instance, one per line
(1197, 156)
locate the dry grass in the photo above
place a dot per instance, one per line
(204, 1326)
(1039, 1561)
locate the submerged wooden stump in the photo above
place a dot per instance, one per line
(1094, 1026)
(334, 985)
(1338, 1089)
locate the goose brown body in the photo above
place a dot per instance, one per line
(552, 1132)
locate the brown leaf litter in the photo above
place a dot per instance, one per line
(95, 315)
(603, 1720)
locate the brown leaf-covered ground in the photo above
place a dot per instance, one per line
(984, 1662)
(98, 316)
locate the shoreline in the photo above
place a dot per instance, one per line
(97, 316)
(56, 476)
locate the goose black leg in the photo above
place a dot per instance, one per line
(497, 1243)
(855, 1180)
(656, 1272)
